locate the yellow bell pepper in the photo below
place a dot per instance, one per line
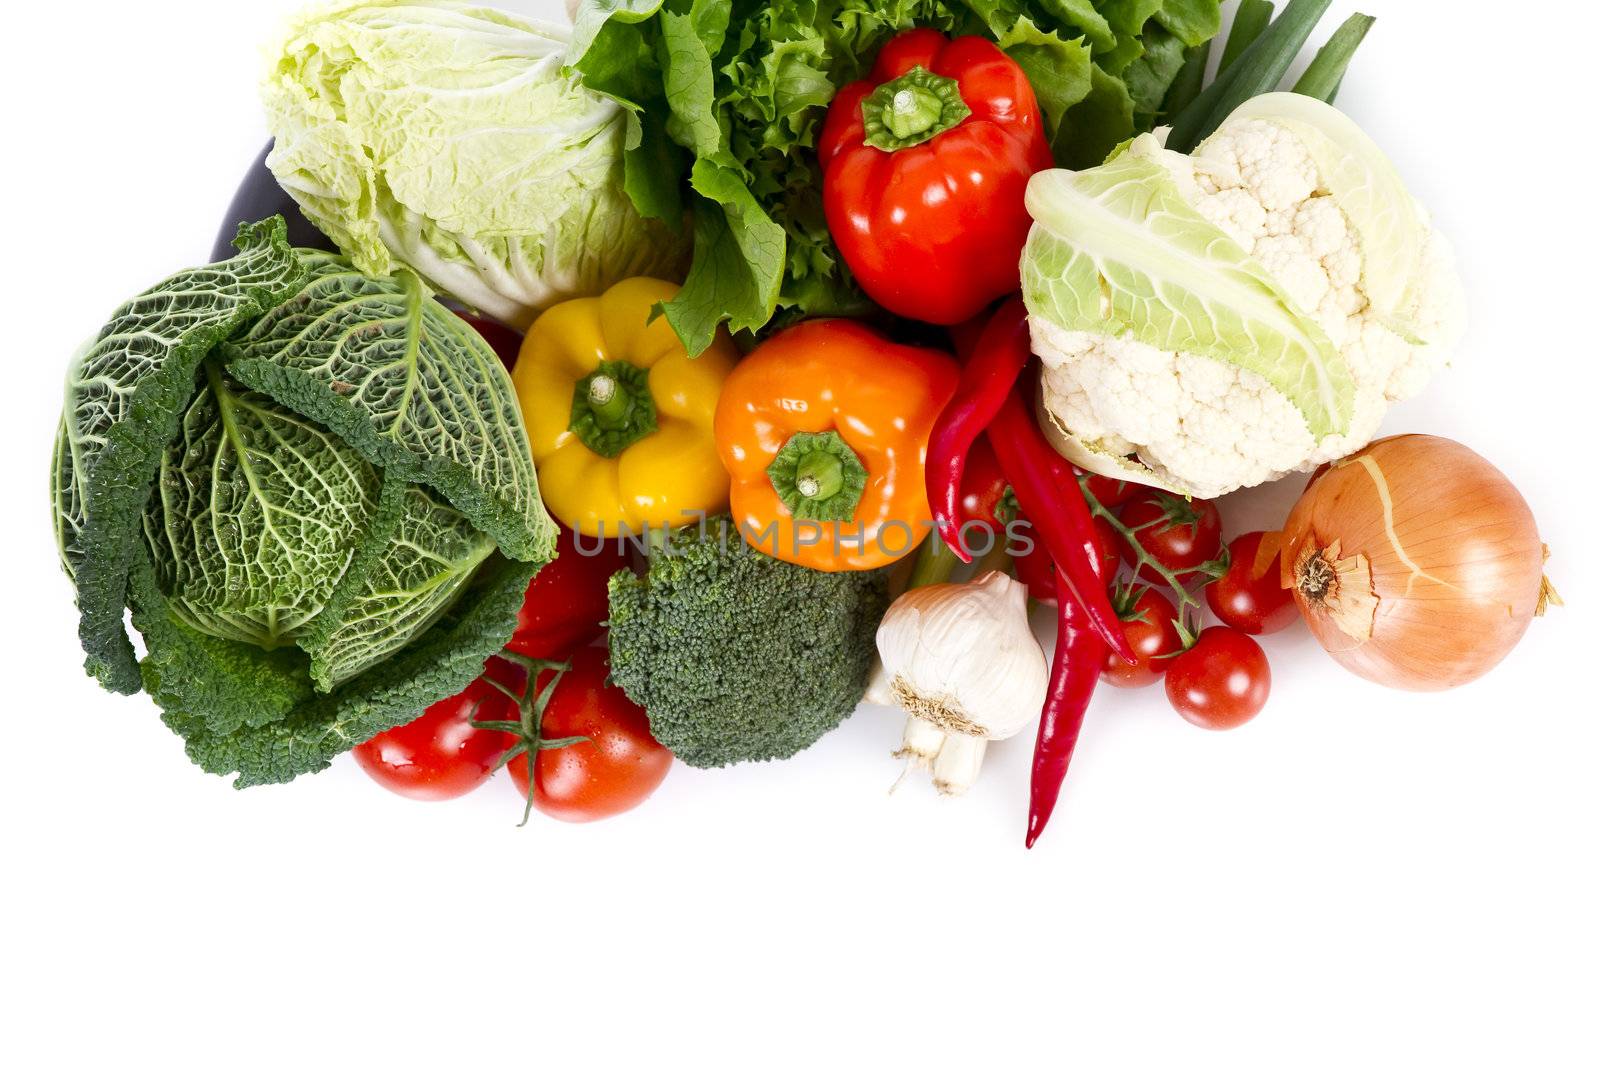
(619, 417)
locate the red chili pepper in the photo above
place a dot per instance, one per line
(1048, 494)
(987, 379)
(925, 164)
(1080, 656)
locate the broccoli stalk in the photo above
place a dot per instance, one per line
(737, 656)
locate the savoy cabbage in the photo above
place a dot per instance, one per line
(313, 491)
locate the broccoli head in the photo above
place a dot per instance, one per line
(737, 656)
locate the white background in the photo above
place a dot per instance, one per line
(1357, 877)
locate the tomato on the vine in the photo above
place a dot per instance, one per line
(442, 755)
(1151, 623)
(1111, 492)
(1181, 535)
(1222, 681)
(616, 767)
(568, 599)
(1249, 597)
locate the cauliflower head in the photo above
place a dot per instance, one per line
(1218, 320)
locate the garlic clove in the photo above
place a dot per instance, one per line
(957, 765)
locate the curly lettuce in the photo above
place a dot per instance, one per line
(725, 98)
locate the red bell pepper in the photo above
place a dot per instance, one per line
(924, 167)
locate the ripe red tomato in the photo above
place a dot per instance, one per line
(615, 770)
(1182, 535)
(1110, 543)
(1111, 492)
(505, 341)
(1222, 681)
(1153, 635)
(441, 755)
(567, 601)
(1249, 597)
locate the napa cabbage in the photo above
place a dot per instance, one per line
(446, 138)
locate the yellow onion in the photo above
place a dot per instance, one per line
(1415, 562)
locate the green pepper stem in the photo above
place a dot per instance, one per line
(609, 404)
(612, 408)
(913, 108)
(819, 476)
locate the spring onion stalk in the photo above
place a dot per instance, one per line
(1252, 18)
(1257, 71)
(1322, 78)
(1190, 80)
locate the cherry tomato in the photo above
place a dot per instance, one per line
(441, 755)
(505, 341)
(1182, 535)
(615, 770)
(567, 601)
(1249, 597)
(1110, 543)
(1110, 492)
(1222, 681)
(1153, 634)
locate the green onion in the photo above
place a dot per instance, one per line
(1190, 80)
(1252, 17)
(1258, 70)
(1323, 76)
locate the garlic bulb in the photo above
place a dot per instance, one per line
(962, 662)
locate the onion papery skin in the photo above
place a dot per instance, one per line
(1456, 563)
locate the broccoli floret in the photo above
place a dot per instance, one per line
(737, 656)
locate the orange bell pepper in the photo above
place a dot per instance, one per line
(824, 432)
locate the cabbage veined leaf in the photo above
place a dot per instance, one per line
(257, 514)
(410, 386)
(397, 587)
(1116, 250)
(125, 392)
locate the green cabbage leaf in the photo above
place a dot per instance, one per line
(317, 496)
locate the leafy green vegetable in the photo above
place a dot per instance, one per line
(725, 99)
(1117, 250)
(409, 385)
(737, 656)
(252, 713)
(1249, 22)
(1258, 69)
(249, 488)
(325, 470)
(445, 137)
(1322, 78)
(124, 394)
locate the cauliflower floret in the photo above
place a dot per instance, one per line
(1205, 427)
